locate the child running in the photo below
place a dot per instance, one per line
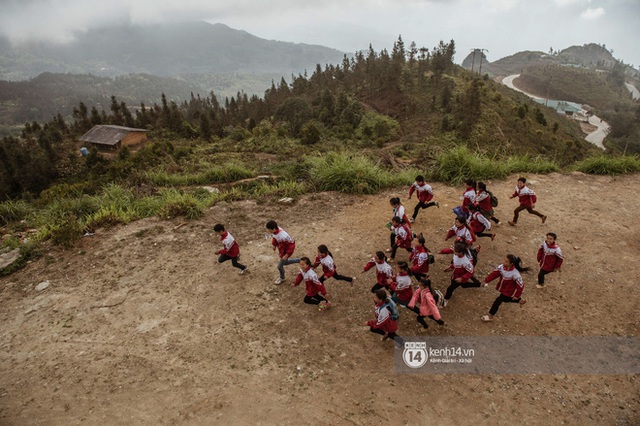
(423, 296)
(400, 285)
(384, 324)
(483, 201)
(463, 270)
(510, 284)
(230, 249)
(285, 245)
(316, 292)
(527, 199)
(383, 271)
(403, 236)
(424, 193)
(549, 257)
(461, 231)
(398, 211)
(420, 258)
(469, 197)
(479, 224)
(325, 258)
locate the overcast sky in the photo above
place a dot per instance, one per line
(503, 27)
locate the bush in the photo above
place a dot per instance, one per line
(178, 204)
(606, 165)
(14, 211)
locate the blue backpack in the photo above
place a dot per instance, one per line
(393, 308)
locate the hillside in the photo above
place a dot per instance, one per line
(139, 325)
(163, 50)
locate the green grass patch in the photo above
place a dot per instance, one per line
(14, 211)
(606, 165)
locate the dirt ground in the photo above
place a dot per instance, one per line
(139, 325)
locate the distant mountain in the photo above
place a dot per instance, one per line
(163, 50)
(592, 56)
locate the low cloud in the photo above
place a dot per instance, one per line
(592, 13)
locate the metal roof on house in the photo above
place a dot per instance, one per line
(106, 134)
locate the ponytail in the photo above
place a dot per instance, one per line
(324, 250)
(516, 261)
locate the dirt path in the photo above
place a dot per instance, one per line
(139, 326)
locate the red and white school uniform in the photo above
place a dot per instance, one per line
(383, 271)
(483, 201)
(399, 212)
(311, 281)
(510, 283)
(328, 265)
(402, 286)
(383, 319)
(469, 197)
(424, 192)
(462, 233)
(427, 303)
(478, 223)
(462, 268)
(404, 235)
(526, 196)
(285, 242)
(230, 246)
(550, 257)
(420, 260)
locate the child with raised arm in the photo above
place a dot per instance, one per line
(325, 258)
(398, 211)
(527, 199)
(428, 307)
(383, 270)
(549, 258)
(462, 271)
(479, 224)
(483, 201)
(383, 323)
(230, 249)
(469, 197)
(285, 245)
(510, 284)
(461, 231)
(424, 193)
(403, 236)
(316, 293)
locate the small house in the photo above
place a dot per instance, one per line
(114, 137)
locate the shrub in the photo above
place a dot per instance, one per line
(606, 165)
(14, 211)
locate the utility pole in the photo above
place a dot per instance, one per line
(474, 58)
(481, 55)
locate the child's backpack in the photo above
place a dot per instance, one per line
(432, 259)
(494, 200)
(437, 297)
(474, 256)
(393, 308)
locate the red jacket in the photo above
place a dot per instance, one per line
(427, 303)
(311, 281)
(424, 194)
(510, 283)
(383, 320)
(550, 257)
(483, 201)
(401, 285)
(404, 236)
(285, 243)
(478, 223)
(229, 245)
(383, 271)
(420, 258)
(469, 197)
(328, 265)
(526, 196)
(462, 233)
(462, 268)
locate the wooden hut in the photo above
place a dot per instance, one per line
(114, 137)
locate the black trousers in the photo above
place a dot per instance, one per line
(421, 318)
(422, 205)
(502, 299)
(234, 261)
(336, 276)
(314, 300)
(541, 275)
(394, 249)
(454, 284)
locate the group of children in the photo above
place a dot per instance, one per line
(473, 219)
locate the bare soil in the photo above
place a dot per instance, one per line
(140, 325)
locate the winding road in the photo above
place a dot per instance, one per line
(596, 137)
